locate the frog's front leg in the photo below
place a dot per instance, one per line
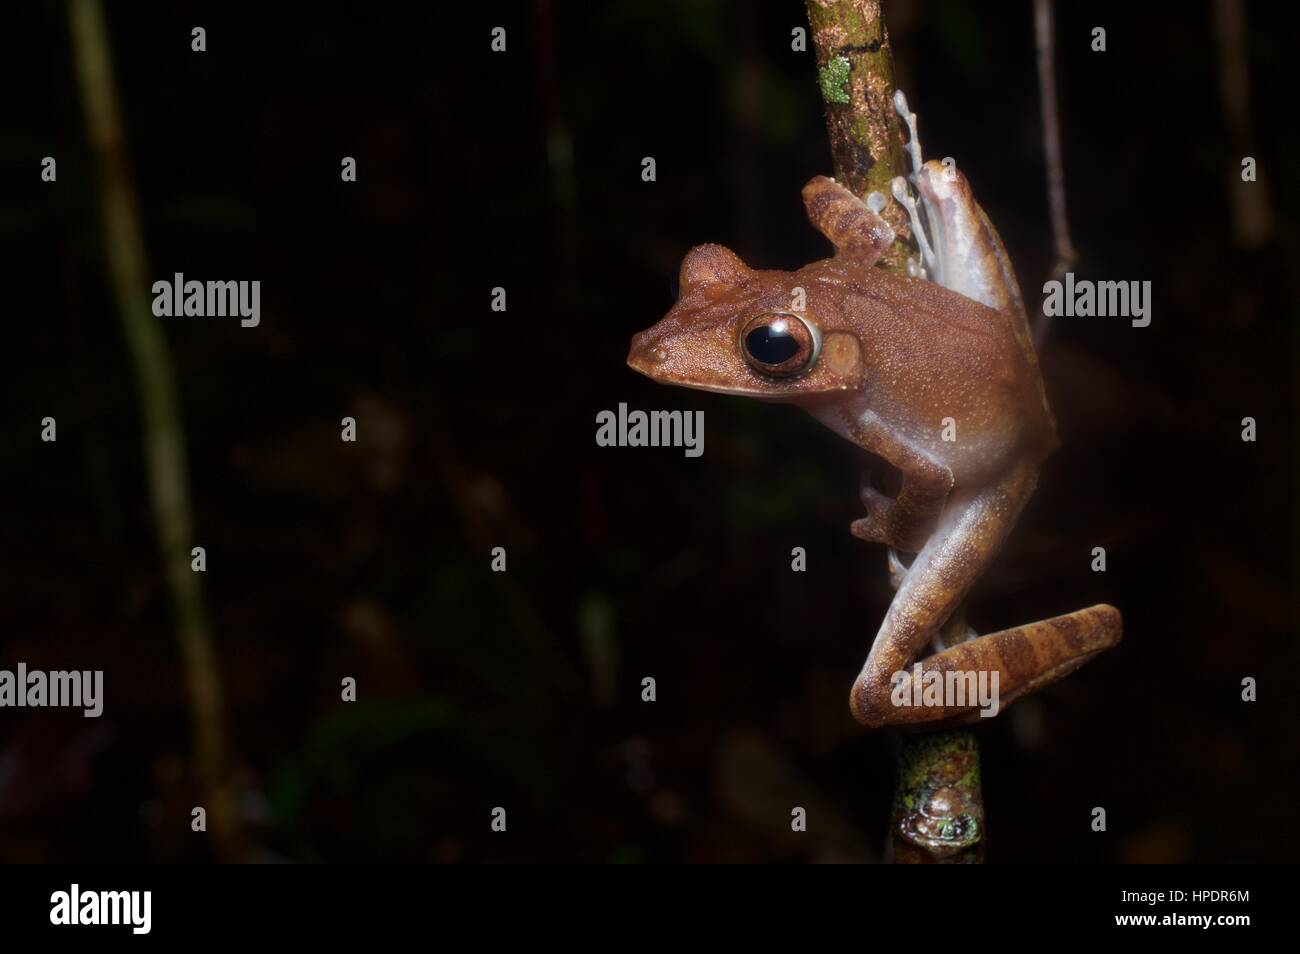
(905, 522)
(846, 220)
(971, 531)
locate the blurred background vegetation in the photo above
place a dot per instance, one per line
(477, 430)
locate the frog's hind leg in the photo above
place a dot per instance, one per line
(971, 531)
(968, 534)
(1025, 658)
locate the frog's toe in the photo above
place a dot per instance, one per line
(873, 499)
(867, 529)
(872, 529)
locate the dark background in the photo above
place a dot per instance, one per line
(477, 430)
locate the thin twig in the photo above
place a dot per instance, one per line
(1065, 253)
(163, 438)
(1248, 202)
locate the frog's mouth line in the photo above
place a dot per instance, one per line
(711, 388)
(729, 390)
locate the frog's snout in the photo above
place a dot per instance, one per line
(647, 354)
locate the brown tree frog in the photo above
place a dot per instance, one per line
(939, 377)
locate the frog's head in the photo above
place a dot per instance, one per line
(737, 330)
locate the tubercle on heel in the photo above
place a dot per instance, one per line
(867, 715)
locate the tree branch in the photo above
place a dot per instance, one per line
(855, 69)
(938, 813)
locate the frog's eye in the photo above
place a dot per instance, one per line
(779, 344)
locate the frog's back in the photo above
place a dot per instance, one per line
(1010, 303)
(945, 333)
(945, 351)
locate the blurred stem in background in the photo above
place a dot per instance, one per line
(1044, 42)
(163, 438)
(1249, 202)
(1066, 254)
(938, 813)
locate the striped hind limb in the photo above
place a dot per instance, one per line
(976, 679)
(970, 532)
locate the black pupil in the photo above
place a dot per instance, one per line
(772, 344)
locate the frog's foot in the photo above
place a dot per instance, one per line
(909, 118)
(871, 529)
(888, 523)
(874, 527)
(929, 258)
(897, 569)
